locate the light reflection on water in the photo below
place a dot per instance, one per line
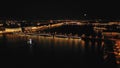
(64, 44)
(57, 42)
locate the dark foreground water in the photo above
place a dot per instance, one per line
(48, 52)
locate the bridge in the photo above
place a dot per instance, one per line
(69, 36)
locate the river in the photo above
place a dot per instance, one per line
(52, 52)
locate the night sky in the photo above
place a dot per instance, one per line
(93, 9)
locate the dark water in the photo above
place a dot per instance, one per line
(74, 29)
(52, 52)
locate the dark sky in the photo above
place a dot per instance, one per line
(60, 9)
